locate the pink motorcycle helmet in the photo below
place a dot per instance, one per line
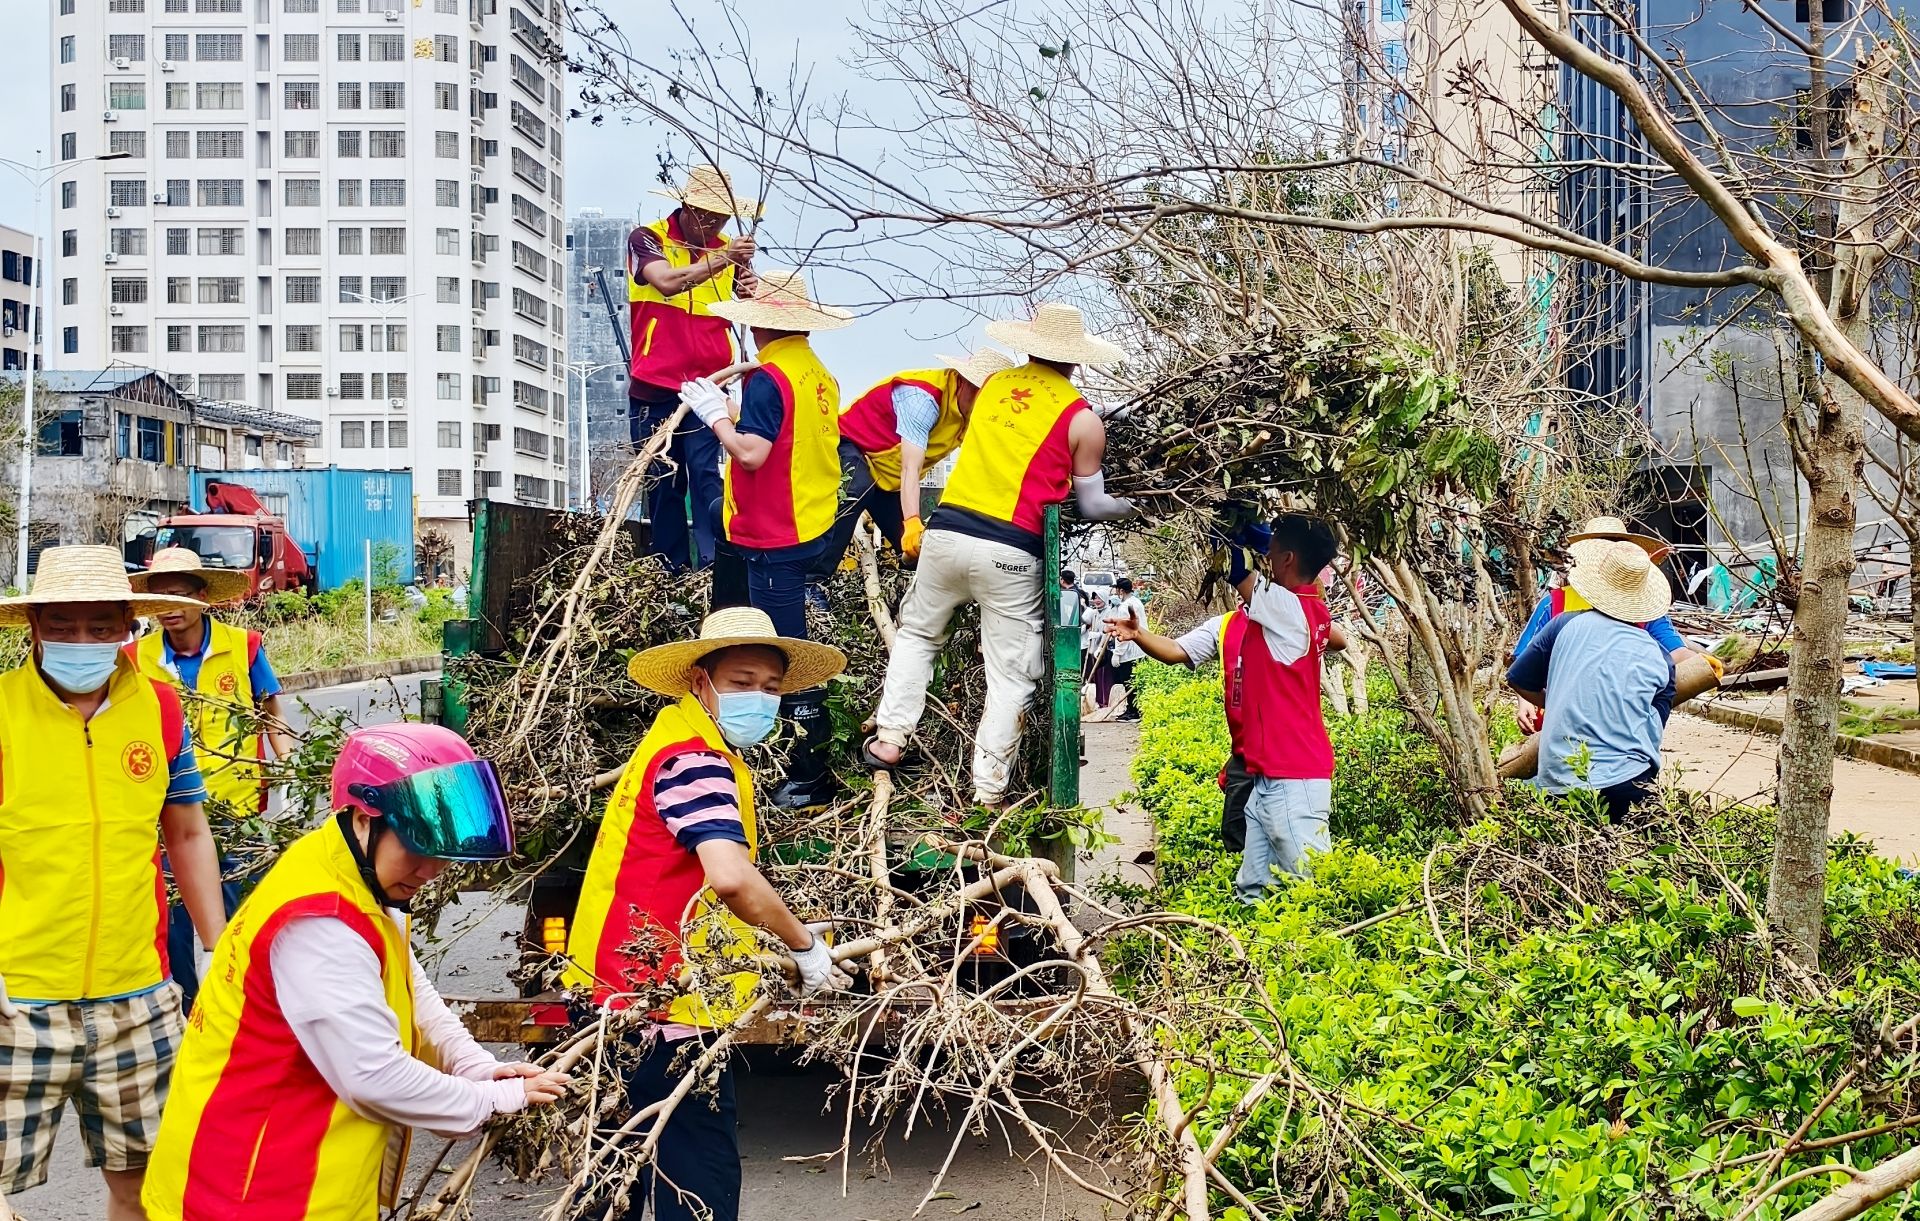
(425, 784)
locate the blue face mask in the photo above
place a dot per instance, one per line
(78, 668)
(746, 718)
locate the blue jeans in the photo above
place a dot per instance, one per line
(1286, 819)
(690, 488)
(777, 583)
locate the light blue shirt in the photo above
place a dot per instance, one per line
(1609, 688)
(914, 414)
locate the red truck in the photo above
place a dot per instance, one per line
(238, 532)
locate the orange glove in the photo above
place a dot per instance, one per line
(1719, 667)
(910, 536)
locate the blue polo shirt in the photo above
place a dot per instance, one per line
(260, 675)
(1609, 689)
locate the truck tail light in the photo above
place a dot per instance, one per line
(987, 933)
(553, 934)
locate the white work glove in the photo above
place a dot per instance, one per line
(8, 1010)
(202, 962)
(1090, 495)
(818, 972)
(704, 399)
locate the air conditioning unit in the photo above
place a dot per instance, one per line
(110, 117)
(111, 257)
(333, 392)
(166, 65)
(392, 16)
(122, 63)
(116, 310)
(113, 213)
(160, 197)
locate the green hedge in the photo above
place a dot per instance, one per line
(1580, 1063)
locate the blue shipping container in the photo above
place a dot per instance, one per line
(333, 513)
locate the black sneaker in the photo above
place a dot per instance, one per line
(805, 794)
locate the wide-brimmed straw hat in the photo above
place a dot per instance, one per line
(666, 668)
(1057, 332)
(710, 190)
(977, 367)
(85, 574)
(1611, 530)
(223, 584)
(1621, 580)
(782, 303)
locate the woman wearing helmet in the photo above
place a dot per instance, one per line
(317, 1042)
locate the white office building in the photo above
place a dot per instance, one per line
(344, 209)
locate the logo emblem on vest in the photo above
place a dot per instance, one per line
(228, 684)
(820, 398)
(1020, 398)
(138, 760)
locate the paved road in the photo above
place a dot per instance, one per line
(783, 1110)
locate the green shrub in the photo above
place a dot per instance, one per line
(1600, 1040)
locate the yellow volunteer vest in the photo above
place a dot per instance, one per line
(700, 297)
(251, 1128)
(944, 439)
(793, 497)
(1016, 461)
(229, 757)
(640, 875)
(82, 902)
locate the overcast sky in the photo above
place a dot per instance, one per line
(610, 166)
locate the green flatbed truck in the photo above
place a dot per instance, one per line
(510, 542)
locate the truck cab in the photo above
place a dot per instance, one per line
(257, 546)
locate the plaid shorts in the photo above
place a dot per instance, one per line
(111, 1058)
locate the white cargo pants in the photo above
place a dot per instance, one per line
(1008, 584)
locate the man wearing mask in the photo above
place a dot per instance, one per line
(782, 485)
(673, 869)
(678, 268)
(226, 683)
(1032, 441)
(97, 772)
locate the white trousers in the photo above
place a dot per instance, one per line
(1008, 584)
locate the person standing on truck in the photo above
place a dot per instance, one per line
(232, 698)
(97, 772)
(888, 439)
(1272, 694)
(673, 869)
(1031, 441)
(678, 269)
(782, 486)
(318, 1042)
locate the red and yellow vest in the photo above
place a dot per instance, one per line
(229, 758)
(1273, 709)
(251, 1129)
(869, 423)
(792, 498)
(1016, 460)
(83, 906)
(643, 888)
(679, 338)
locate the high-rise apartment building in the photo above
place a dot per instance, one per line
(597, 381)
(18, 342)
(345, 209)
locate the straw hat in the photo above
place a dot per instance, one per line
(1612, 530)
(223, 584)
(85, 574)
(1057, 332)
(782, 303)
(710, 190)
(979, 366)
(1620, 579)
(664, 667)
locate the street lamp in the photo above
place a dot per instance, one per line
(39, 176)
(586, 370)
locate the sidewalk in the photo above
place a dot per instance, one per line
(1111, 746)
(1869, 800)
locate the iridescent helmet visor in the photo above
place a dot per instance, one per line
(452, 813)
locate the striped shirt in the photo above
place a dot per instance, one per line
(697, 798)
